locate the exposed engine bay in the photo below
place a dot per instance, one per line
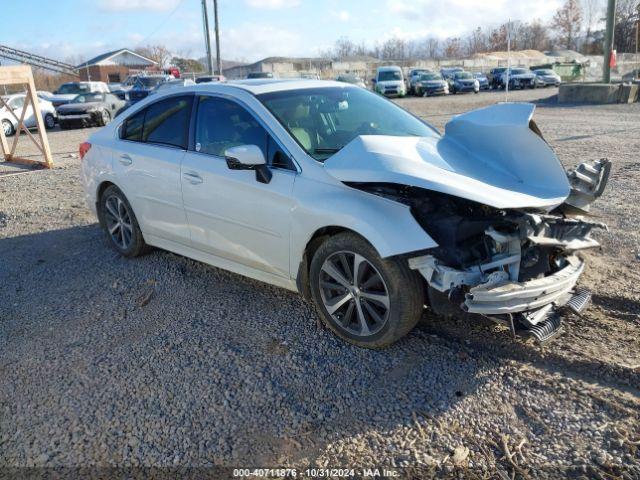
(517, 267)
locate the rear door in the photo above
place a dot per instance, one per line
(147, 162)
(230, 213)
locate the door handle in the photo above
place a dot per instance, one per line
(125, 159)
(193, 178)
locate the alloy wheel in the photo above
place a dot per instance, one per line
(106, 117)
(7, 127)
(49, 121)
(354, 293)
(118, 221)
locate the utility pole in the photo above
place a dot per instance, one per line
(608, 40)
(215, 21)
(506, 83)
(207, 38)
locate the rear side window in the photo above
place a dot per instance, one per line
(165, 122)
(132, 128)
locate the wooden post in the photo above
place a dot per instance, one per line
(22, 75)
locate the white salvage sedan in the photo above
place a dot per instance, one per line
(337, 193)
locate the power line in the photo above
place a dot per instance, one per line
(146, 39)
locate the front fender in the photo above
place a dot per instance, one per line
(389, 226)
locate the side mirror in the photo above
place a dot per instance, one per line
(248, 157)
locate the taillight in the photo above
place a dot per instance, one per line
(84, 148)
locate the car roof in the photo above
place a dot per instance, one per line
(267, 85)
(389, 68)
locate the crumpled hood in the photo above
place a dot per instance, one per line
(489, 156)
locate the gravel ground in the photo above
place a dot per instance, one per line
(162, 361)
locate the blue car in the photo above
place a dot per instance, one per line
(144, 85)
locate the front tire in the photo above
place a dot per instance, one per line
(120, 223)
(105, 118)
(7, 126)
(366, 300)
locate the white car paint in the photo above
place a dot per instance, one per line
(16, 103)
(243, 235)
(193, 204)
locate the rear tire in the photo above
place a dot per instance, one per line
(49, 121)
(378, 305)
(120, 223)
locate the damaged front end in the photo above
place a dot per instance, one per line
(508, 220)
(517, 267)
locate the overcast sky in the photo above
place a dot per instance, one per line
(250, 29)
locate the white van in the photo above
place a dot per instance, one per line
(389, 81)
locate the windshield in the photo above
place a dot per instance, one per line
(518, 71)
(148, 81)
(544, 72)
(389, 75)
(323, 120)
(73, 88)
(463, 75)
(88, 97)
(430, 76)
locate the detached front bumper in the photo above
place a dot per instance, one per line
(516, 297)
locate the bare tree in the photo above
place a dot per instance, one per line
(627, 14)
(567, 23)
(498, 38)
(453, 47)
(477, 42)
(157, 53)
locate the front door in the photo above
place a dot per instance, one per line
(230, 213)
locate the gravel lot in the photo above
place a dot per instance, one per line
(162, 361)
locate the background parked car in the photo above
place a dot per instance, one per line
(449, 72)
(260, 75)
(210, 78)
(161, 87)
(495, 77)
(463, 82)
(352, 79)
(547, 77)
(144, 85)
(519, 77)
(389, 81)
(45, 95)
(431, 83)
(16, 104)
(482, 80)
(413, 77)
(68, 91)
(90, 109)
